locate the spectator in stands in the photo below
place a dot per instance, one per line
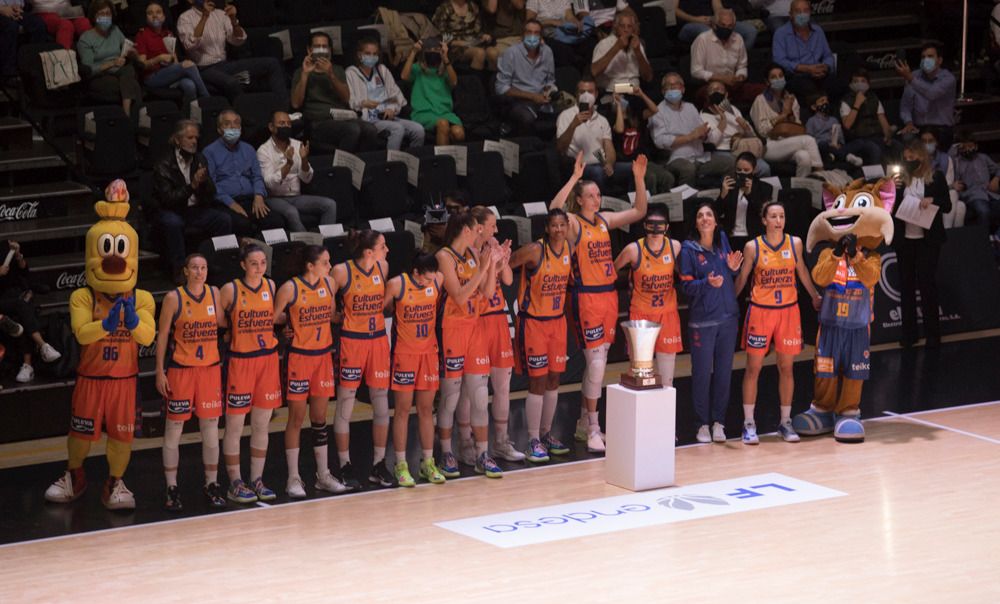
(580, 129)
(777, 11)
(113, 77)
(62, 19)
(944, 164)
(918, 249)
(824, 126)
(526, 80)
(18, 316)
(379, 100)
(800, 47)
(14, 16)
(741, 200)
(184, 197)
(718, 55)
(504, 22)
(864, 120)
(433, 78)
(205, 31)
(728, 131)
(621, 59)
(977, 180)
(568, 34)
(162, 67)
(319, 90)
(626, 135)
(284, 163)
(459, 19)
(239, 185)
(775, 114)
(677, 127)
(928, 97)
(698, 17)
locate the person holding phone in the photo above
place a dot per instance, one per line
(581, 130)
(433, 77)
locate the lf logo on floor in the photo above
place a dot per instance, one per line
(636, 510)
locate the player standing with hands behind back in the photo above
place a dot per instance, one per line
(595, 301)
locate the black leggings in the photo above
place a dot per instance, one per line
(20, 311)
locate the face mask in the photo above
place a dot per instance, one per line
(588, 99)
(369, 61)
(283, 133)
(199, 3)
(321, 52)
(103, 23)
(968, 153)
(187, 155)
(655, 227)
(928, 64)
(859, 86)
(802, 19)
(716, 98)
(911, 165)
(778, 84)
(532, 42)
(931, 148)
(231, 135)
(673, 96)
(433, 59)
(156, 23)
(723, 33)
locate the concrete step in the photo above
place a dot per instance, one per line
(887, 17)
(46, 200)
(46, 229)
(38, 155)
(14, 133)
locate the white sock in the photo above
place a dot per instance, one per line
(379, 454)
(400, 456)
(322, 459)
(549, 402)
(427, 453)
(786, 414)
(592, 421)
(344, 457)
(211, 476)
(256, 468)
(481, 447)
(533, 414)
(171, 477)
(748, 413)
(445, 445)
(292, 457)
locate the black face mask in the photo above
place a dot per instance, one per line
(283, 133)
(655, 227)
(968, 153)
(824, 109)
(187, 155)
(911, 165)
(716, 98)
(433, 59)
(723, 33)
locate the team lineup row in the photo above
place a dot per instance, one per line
(449, 333)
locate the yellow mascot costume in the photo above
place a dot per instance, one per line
(110, 319)
(856, 222)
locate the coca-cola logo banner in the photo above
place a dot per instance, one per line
(27, 210)
(71, 280)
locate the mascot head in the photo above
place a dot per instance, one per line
(112, 263)
(860, 210)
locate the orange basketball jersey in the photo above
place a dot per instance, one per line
(466, 267)
(593, 267)
(195, 330)
(774, 274)
(413, 331)
(310, 314)
(115, 355)
(363, 299)
(251, 319)
(653, 288)
(542, 291)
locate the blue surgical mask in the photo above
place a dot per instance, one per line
(931, 148)
(778, 84)
(928, 64)
(673, 96)
(369, 61)
(156, 23)
(802, 19)
(532, 42)
(231, 135)
(103, 23)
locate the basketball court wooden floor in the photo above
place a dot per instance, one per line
(915, 522)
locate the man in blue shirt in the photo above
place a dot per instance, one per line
(929, 96)
(239, 185)
(526, 76)
(800, 47)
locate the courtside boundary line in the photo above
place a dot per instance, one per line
(943, 427)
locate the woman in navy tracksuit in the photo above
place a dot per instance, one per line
(707, 269)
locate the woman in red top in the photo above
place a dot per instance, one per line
(162, 69)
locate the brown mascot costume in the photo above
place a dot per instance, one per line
(856, 222)
(110, 319)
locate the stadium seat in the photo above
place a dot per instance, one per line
(472, 105)
(255, 109)
(401, 249)
(437, 177)
(799, 212)
(486, 182)
(335, 183)
(383, 191)
(106, 142)
(156, 121)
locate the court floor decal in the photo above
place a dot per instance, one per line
(635, 510)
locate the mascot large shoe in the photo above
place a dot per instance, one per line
(110, 319)
(856, 222)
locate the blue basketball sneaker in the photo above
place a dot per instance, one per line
(486, 465)
(553, 444)
(449, 466)
(537, 452)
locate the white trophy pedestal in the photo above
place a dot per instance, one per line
(640, 434)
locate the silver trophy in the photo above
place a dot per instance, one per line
(641, 337)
